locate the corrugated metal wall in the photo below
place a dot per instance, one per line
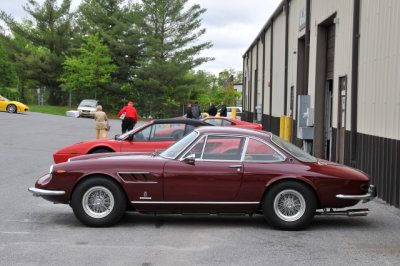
(278, 66)
(260, 69)
(254, 78)
(379, 69)
(294, 34)
(267, 70)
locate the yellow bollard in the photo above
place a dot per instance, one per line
(288, 128)
(282, 127)
(233, 110)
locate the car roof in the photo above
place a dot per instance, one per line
(193, 122)
(234, 131)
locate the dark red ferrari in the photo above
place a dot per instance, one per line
(211, 170)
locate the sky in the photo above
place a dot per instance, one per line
(231, 25)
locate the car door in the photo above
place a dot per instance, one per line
(261, 163)
(215, 176)
(154, 137)
(3, 104)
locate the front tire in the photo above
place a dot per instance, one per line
(11, 108)
(289, 205)
(101, 151)
(98, 202)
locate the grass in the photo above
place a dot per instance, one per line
(48, 109)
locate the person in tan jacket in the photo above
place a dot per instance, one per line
(101, 122)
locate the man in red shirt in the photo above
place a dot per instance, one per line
(130, 118)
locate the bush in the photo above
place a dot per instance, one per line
(12, 95)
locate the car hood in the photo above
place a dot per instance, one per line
(113, 163)
(111, 155)
(19, 104)
(77, 147)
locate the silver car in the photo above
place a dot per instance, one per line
(87, 108)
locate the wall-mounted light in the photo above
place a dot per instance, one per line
(336, 21)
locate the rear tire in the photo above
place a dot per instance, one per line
(98, 202)
(289, 205)
(11, 108)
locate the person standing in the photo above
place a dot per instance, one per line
(189, 113)
(130, 118)
(101, 122)
(223, 112)
(196, 110)
(212, 111)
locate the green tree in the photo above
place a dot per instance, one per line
(116, 25)
(91, 68)
(50, 31)
(8, 76)
(169, 30)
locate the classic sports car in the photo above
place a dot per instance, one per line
(211, 170)
(225, 121)
(12, 106)
(158, 134)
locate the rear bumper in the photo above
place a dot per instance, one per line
(371, 194)
(37, 192)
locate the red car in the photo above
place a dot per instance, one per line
(158, 134)
(211, 170)
(226, 121)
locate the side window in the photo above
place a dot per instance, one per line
(167, 132)
(189, 128)
(223, 148)
(226, 122)
(258, 151)
(143, 135)
(214, 121)
(197, 149)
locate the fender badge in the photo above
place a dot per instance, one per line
(145, 196)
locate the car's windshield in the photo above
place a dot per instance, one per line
(5, 99)
(293, 150)
(87, 103)
(173, 151)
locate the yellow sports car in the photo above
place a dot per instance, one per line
(12, 106)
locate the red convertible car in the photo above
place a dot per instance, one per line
(226, 121)
(158, 134)
(211, 170)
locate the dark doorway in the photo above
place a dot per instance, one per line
(328, 119)
(341, 119)
(322, 145)
(301, 88)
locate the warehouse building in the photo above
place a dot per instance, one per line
(333, 67)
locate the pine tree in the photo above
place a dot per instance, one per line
(50, 31)
(170, 32)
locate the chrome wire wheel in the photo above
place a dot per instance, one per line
(289, 205)
(98, 202)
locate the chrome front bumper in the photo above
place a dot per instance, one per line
(37, 192)
(365, 197)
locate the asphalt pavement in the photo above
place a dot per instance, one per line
(34, 231)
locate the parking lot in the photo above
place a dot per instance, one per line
(34, 231)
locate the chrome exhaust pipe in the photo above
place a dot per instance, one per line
(350, 212)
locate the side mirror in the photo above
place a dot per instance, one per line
(116, 136)
(190, 159)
